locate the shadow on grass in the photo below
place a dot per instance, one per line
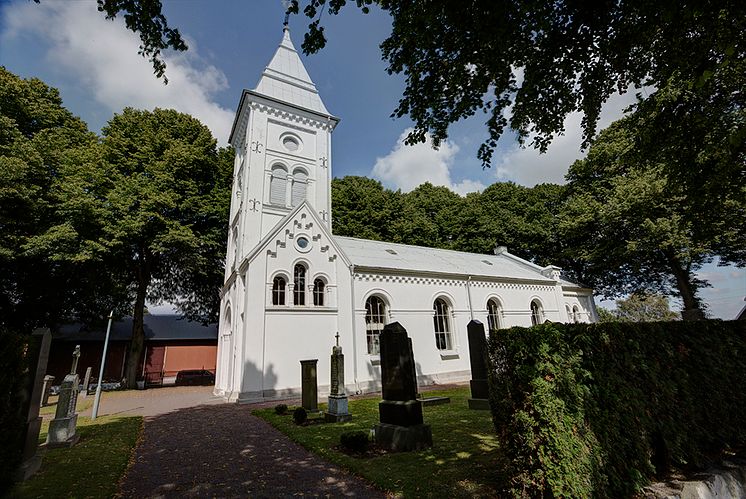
(225, 451)
(91, 468)
(465, 461)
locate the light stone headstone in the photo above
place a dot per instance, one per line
(309, 385)
(38, 355)
(337, 408)
(86, 382)
(401, 426)
(62, 429)
(46, 390)
(76, 356)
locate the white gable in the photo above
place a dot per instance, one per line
(287, 80)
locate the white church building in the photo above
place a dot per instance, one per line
(291, 285)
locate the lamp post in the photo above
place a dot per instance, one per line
(97, 399)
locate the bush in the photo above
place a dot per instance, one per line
(300, 415)
(355, 441)
(281, 409)
(596, 410)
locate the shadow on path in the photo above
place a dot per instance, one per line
(224, 451)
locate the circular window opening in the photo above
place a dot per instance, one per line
(302, 243)
(291, 143)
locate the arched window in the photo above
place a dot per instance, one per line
(375, 319)
(278, 291)
(576, 314)
(537, 313)
(277, 185)
(318, 292)
(569, 313)
(493, 315)
(442, 325)
(299, 186)
(299, 284)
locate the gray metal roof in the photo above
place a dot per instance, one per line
(403, 257)
(157, 328)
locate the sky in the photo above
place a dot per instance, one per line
(95, 65)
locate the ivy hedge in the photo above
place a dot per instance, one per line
(598, 410)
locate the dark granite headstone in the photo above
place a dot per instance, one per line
(401, 426)
(478, 359)
(309, 386)
(38, 355)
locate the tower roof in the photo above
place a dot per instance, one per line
(286, 79)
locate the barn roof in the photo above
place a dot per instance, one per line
(157, 328)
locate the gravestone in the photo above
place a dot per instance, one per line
(309, 386)
(337, 408)
(401, 426)
(86, 382)
(46, 390)
(478, 358)
(38, 355)
(62, 429)
(76, 356)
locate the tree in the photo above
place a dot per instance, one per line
(644, 307)
(361, 207)
(632, 225)
(161, 190)
(47, 274)
(571, 56)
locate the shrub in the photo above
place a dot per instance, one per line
(596, 410)
(281, 409)
(300, 415)
(355, 441)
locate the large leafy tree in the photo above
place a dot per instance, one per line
(48, 273)
(635, 222)
(161, 190)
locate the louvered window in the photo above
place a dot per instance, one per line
(300, 181)
(278, 185)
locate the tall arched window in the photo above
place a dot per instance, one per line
(442, 325)
(299, 285)
(375, 319)
(300, 179)
(318, 292)
(576, 314)
(537, 313)
(569, 313)
(493, 315)
(277, 185)
(278, 291)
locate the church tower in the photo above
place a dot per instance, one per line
(282, 138)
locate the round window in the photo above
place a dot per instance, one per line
(291, 143)
(302, 243)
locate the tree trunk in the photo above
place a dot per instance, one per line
(133, 370)
(692, 310)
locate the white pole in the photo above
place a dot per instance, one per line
(96, 401)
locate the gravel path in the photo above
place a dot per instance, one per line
(224, 451)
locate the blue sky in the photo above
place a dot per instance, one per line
(95, 65)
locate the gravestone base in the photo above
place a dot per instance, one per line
(62, 432)
(429, 401)
(400, 412)
(479, 404)
(337, 410)
(403, 438)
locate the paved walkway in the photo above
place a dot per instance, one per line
(153, 401)
(224, 451)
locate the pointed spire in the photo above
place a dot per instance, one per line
(286, 78)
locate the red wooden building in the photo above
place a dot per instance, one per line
(172, 344)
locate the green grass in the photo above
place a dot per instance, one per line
(465, 460)
(91, 468)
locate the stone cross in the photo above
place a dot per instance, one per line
(76, 356)
(337, 336)
(337, 408)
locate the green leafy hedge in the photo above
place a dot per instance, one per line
(596, 410)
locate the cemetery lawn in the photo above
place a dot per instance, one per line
(465, 460)
(91, 468)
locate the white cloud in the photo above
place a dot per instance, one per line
(406, 167)
(102, 56)
(528, 167)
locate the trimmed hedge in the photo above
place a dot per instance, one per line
(597, 410)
